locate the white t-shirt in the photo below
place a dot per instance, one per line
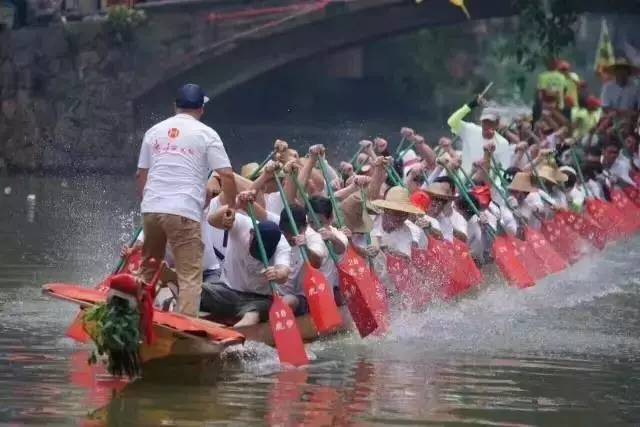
(621, 98)
(179, 152)
(621, 169)
(211, 236)
(473, 143)
(243, 272)
(314, 244)
(400, 240)
(458, 222)
(328, 267)
(474, 237)
(273, 203)
(507, 220)
(532, 203)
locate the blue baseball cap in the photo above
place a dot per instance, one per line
(191, 96)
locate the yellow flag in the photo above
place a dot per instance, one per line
(604, 54)
(460, 4)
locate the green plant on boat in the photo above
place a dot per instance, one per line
(114, 328)
(122, 21)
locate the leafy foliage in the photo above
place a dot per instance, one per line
(543, 32)
(114, 330)
(122, 21)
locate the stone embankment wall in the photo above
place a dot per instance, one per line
(64, 104)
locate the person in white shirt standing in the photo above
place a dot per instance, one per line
(475, 137)
(175, 158)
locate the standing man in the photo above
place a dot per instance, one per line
(175, 158)
(475, 137)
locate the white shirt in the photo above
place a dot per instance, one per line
(621, 169)
(532, 203)
(329, 267)
(213, 237)
(316, 245)
(595, 189)
(474, 238)
(473, 143)
(621, 98)
(507, 220)
(400, 240)
(458, 222)
(243, 272)
(179, 152)
(273, 203)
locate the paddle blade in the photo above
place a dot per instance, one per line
(322, 304)
(467, 265)
(435, 268)
(607, 218)
(585, 226)
(286, 334)
(633, 194)
(558, 238)
(528, 257)
(552, 260)
(627, 208)
(366, 302)
(511, 267)
(409, 282)
(76, 329)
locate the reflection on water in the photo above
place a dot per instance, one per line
(562, 353)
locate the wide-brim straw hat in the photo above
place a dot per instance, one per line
(355, 217)
(522, 182)
(551, 174)
(397, 199)
(621, 62)
(246, 171)
(440, 190)
(568, 170)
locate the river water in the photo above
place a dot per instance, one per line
(564, 353)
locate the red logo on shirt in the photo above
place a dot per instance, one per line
(174, 133)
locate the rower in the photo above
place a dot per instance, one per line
(392, 231)
(316, 251)
(525, 200)
(244, 292)
(175, 157)
(450, 221)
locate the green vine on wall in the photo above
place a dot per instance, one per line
(122, 22)
(545, 28)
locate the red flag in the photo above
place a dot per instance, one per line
(322, 304)
(509, 264)
(553, 262)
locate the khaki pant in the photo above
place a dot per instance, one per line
(184, 238)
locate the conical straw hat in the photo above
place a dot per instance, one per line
(522, 182)
(551, 174)
(356, 219)
(440, 190)
(247, 170)
(397, 199)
